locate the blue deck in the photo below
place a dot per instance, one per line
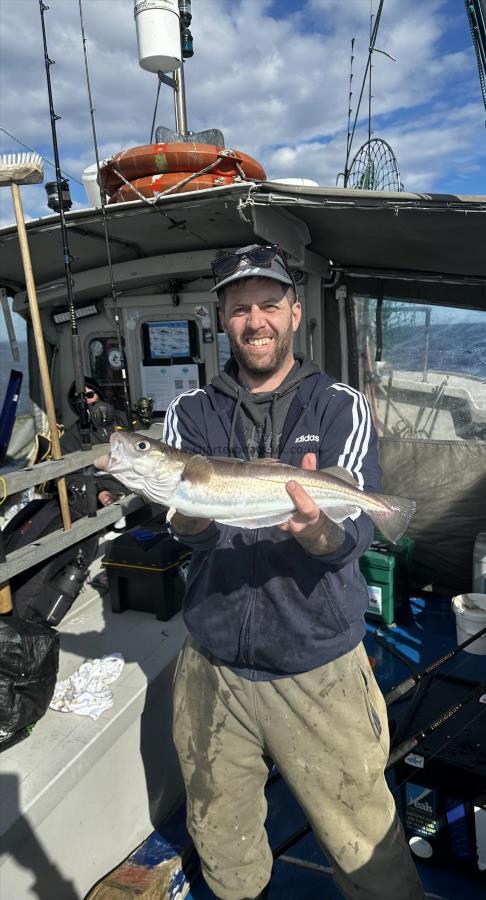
(303, 872)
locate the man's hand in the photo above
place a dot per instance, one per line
(106, 498)
(309, 525)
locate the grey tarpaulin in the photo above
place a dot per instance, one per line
(448, 482)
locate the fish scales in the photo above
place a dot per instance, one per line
(244, 494)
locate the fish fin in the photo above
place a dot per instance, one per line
(342, 474)
(339, 513)
(257, 521)
(394, 518)
(198, 470)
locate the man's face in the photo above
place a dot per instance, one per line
(260, 323)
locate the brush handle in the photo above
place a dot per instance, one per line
(6, 604)
(41, 350)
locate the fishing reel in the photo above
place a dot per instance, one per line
(143, 410)
(102, 414)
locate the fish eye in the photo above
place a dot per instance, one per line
(143, 445)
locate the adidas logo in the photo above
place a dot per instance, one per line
(304, 438)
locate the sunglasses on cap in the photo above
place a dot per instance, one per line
(261, 257)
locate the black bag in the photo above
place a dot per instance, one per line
(29, 660)
(45, 592)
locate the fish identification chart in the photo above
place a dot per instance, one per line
(164, 383)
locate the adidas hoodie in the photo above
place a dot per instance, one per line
(256, 601)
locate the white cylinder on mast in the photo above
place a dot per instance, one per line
(158, 35)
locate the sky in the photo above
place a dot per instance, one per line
(273, 75)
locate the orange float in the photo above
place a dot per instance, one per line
(161, 159)
(156, 184)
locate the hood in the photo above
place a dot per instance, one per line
(89, 382)
(256, 407)
(227, 381)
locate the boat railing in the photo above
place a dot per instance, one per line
(14, 480)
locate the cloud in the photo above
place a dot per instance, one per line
(272, 76)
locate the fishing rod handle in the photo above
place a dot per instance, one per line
(403, 688)
(401, 751)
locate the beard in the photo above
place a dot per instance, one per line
(280, 349)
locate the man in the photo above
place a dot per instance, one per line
(274, 669)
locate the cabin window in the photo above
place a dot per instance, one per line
(224, 350)
(105, 366)
(430, 383)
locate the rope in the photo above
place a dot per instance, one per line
(194, 175)
(152, 201)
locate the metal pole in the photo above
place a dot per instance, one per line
(427, 343)
(180, 100)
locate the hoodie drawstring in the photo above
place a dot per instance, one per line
(274, 450)
(239, 401)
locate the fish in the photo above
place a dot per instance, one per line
(246, 494)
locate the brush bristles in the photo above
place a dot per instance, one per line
(21, 168)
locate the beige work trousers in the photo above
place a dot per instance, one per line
(327, 732)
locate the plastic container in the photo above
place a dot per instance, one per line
(158, 35)
(386, 568)
(91, 185)
(479, 563)
(144, 573)
(470, 618)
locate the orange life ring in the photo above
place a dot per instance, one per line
(155, 184)
(159, 159)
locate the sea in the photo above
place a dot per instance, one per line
(456, 347)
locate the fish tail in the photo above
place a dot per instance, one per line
(393, 519)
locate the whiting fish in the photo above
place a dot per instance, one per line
(244, 494)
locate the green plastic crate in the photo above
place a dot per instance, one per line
(386, 568)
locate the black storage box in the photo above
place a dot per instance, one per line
(144, 573)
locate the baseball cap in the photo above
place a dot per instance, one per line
(253, 261)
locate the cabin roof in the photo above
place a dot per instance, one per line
(360, 231)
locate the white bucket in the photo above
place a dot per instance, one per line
(479, 563)
(158, 35)
(470, 613)
(91, 185)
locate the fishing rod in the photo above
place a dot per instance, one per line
(411, 743)
(372, 49)
(405, 686)
(114, 292)
(79, 378)
(404, 749)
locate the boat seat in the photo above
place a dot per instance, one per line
(78, 795)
